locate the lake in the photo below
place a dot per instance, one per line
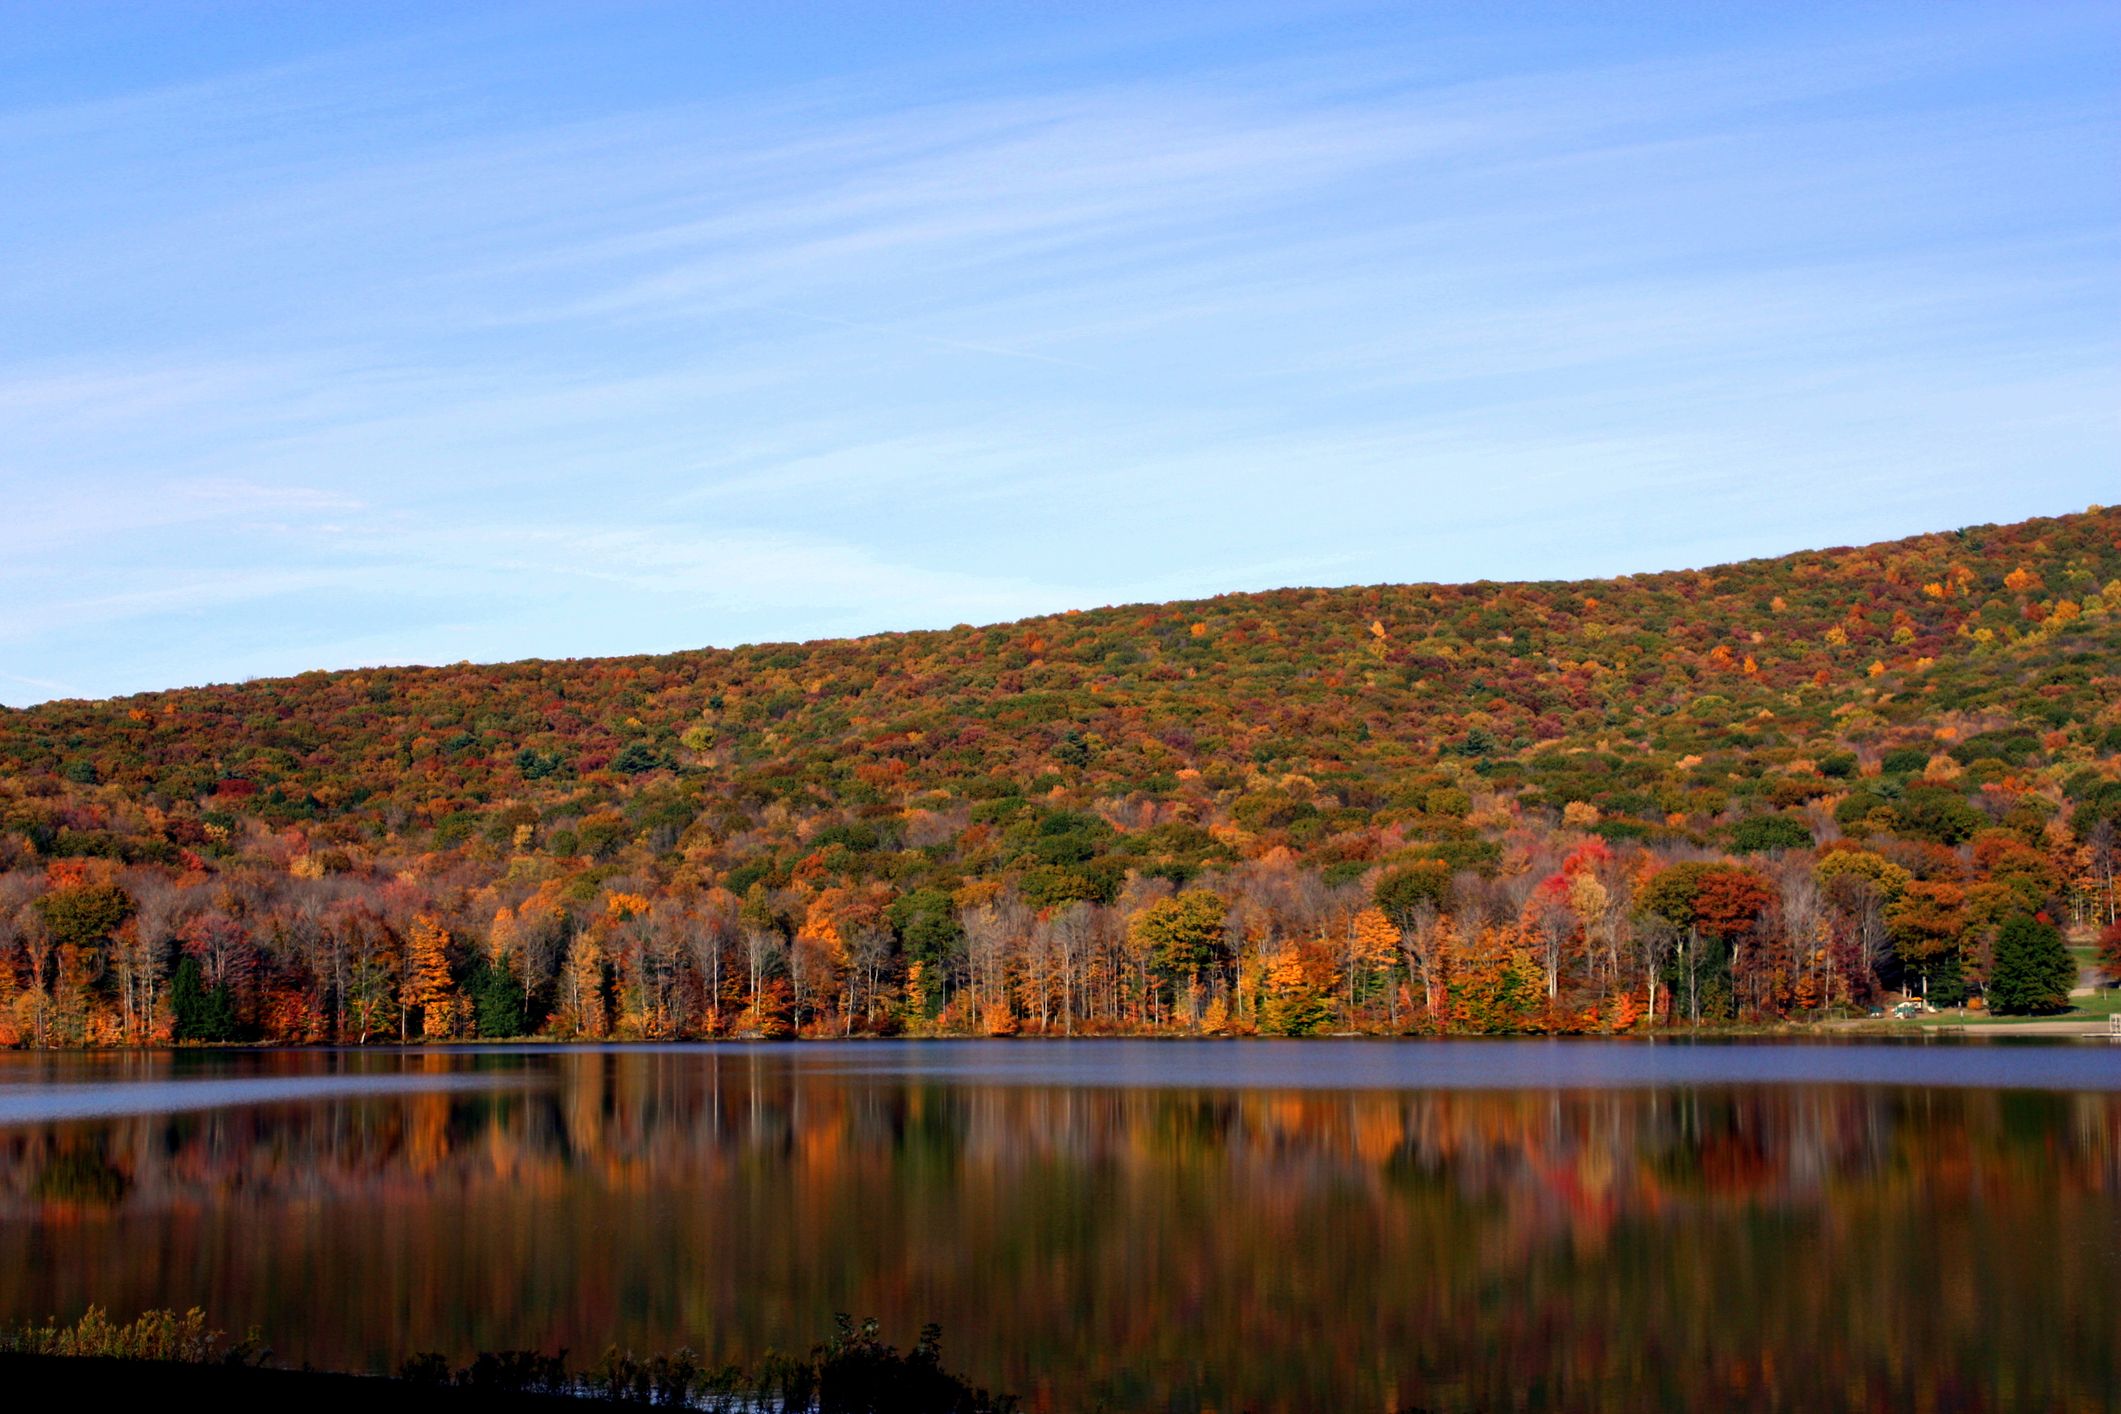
(1123, 1224)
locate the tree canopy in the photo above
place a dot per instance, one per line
(1788, 784)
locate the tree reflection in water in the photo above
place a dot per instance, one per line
(1144, 1248)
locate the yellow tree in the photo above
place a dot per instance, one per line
(427, 985)
(1293, 1003)
(581, 1012)
(1183, 936)
(1372, 954)
(1495, 981)
(644, 961)
(913, 1012)
(833, 916)
(1413, 899)
(504, 942)
(1592, 903)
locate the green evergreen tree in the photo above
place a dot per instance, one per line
(187, 999)
(497, 1001)
(2032, 971)
(199, 1012)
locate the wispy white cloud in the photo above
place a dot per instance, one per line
(42, 687)
(410, 349)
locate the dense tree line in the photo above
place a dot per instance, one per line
(1768, 790)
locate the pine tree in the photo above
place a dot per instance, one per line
(199, 1012)
(496, 1000)
(2032, 971)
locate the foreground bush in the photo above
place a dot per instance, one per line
(153, 1335)
(852, 1372)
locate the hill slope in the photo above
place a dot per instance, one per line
(1950, 699)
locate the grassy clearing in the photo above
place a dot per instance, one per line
(2093, 1008)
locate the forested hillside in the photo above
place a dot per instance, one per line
(1764, 790)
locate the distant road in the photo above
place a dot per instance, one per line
(2097, 1026)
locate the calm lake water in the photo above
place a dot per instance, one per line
(1128, 1225)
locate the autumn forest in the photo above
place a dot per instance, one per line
(1763, 793)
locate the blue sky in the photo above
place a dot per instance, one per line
(383, 333)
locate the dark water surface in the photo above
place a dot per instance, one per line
(1128, 1225)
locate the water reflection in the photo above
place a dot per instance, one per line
(1192, 1247)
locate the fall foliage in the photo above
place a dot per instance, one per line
(1767, 790)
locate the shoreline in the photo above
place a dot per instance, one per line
(1863, 1029)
